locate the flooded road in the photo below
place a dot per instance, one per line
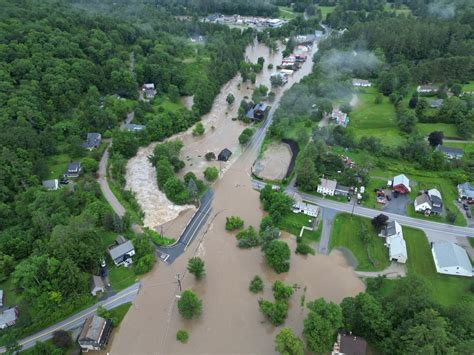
(231, 321)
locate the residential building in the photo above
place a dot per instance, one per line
(8, 317)
(122, 251)
(282, 76)
(451, 259)
(51, 184)
(327, 187)
(437, 103)
(401, 184)
(348, 344)
(92, 141)
(451, 153)
(397, 248)
(257, 112)
(95, 333)
(149, 90)
(426, 89)
(305, 208)
(361, 83)
(97, 285)
(305, 39)
(73, 170)
(132, 127)
(1, 298)
(423, 203)
(466, 192)
(340, 118)
(224, 155)
(436, 200)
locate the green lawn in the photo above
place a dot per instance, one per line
(468, 87)
(118, 313)
(286, 13)
(121, 277)
(370, 119)
(293, 222)
(445, 289)
(10, 297)
(468, 147)
(370, 198)
(345, 234)
(57, 165)
(448, 129)
(325, 10)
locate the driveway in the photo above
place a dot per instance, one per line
(397, 205)
(327, 216)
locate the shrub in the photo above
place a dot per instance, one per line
(210, 156)
(304, 249)
(248, 238)
(245, 136)
(62, 339)
(256, 284)
(182, 336)
(233, 223)
(89, 165)
(211, 173)
(198, 130)
(196, 267)
(230, 99)
(276, 312)
(189, 304)
(277, 255)
(450, 216)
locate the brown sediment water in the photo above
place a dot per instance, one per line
(274, 163)
(231, 321)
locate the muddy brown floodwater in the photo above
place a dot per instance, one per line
(231, 321)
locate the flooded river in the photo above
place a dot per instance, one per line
(231, 321)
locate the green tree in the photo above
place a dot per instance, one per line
(282, 292)
(277, 255)
(233, 223)
(230, 98)
(189, 305)
(196, 267)
(62, 339)
(211, 173)
(287, 343)
(199, 129)
(276, 312)
(182, 336)
(256, 284)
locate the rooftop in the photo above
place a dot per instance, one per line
(401, 179)
(421, 199)
(8, 316)
(450, 150)
(120, 249)
(451, 255)
(328, 184)
(93, 328)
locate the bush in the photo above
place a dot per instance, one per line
(233, 223)
(304, 249)
(277, 255)
(210, 156)
(89, 165)
(450, 216)
(211, 173)
(198, 130)
(62, 339)
(182, 336)
(189, 304)
(245, 136)
(282, 292)
(144, 264)
(276, 312)
(230, 99)
(196, 267)
(248, 238)
(256, 285)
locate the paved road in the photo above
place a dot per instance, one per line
(104, 185)
(169, 254)
(75, 321)
(327, 216)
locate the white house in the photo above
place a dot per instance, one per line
(149, 90)
(340, 118)
(426, 89)
(51, 184)
(422, 203)
(305, 208)
(361, 83)
(327, 187)
(451, 259)
(397, 248)
(8, 317)
(122, 251)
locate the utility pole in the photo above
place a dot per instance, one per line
(179, 282)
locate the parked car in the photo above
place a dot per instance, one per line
(63, 180)
(465, 206)
(468, 214)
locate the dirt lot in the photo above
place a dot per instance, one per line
(274, 163)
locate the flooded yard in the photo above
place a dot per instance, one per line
(231, 321)
(274, 163)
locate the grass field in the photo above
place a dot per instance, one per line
(286, 13)
(118, 313)
(445, 289)
(370, 119)
(468, 87)
(293, 222)
(448, 129)
(325, 10)
(57, 165)
(121, 277)
(345, 233)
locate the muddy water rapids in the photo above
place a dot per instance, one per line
(231, 322)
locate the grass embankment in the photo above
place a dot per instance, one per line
(325, 10)
(118, 313)
(286, 13)
(121, 277)
(346, 233)
(445, 289)
(376, 120)
(469, 87)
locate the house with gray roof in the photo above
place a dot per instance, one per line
(361, 83)
(451, 259)
(437, 103)
(122, 251)
(466, 192)
(132, 127)
(8, 317)
(97, 285)
(149, 90)
(327, 187)
(95, 333)
(426, 89)
(1, 298)
(73, 170)
(397, 248)
(92, 141)
(451, 153)
(51, 185)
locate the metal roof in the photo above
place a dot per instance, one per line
(451, 255)
(121, 249)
